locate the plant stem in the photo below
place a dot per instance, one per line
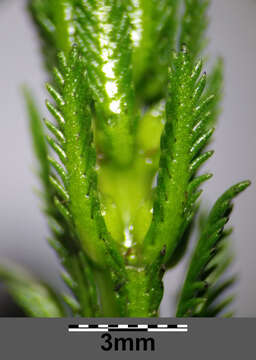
(108, 302)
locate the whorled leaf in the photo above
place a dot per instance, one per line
(103, 30)
(34, 297)
(76, 198)
(200, 289)
(184, 137)
(153, 34)
(63, 238)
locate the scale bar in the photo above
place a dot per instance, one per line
(167, 330)
(128, 327)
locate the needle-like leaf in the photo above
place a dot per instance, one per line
(203, 272)
(182, 144)
(34, 297)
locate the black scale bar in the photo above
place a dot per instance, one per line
(128, 327)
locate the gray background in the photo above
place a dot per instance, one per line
(23, 228)
(49, 339)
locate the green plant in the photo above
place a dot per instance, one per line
(131, 105)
